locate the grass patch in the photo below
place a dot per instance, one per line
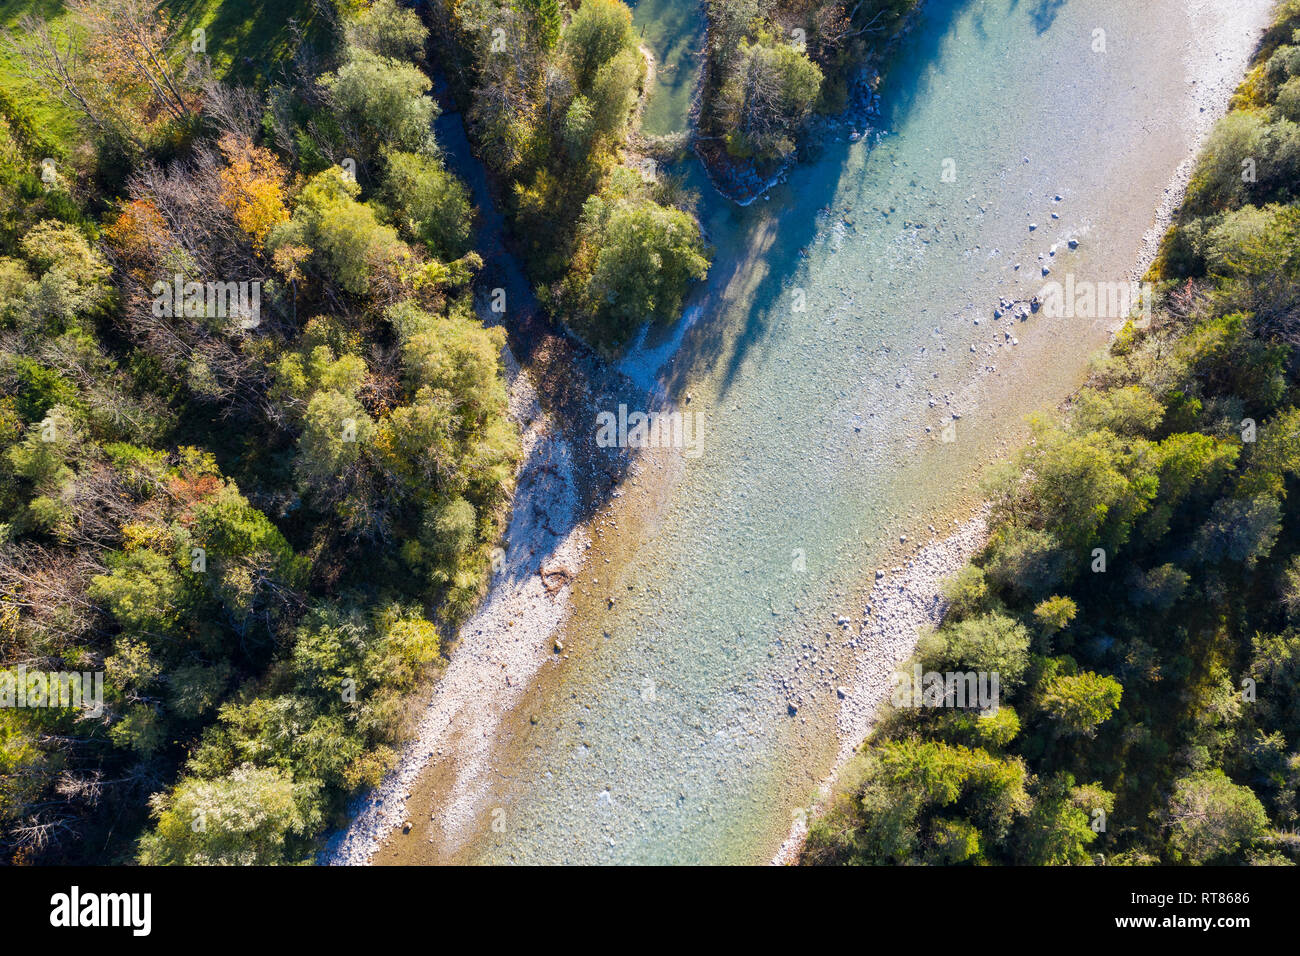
(245, 39)
(57, 123)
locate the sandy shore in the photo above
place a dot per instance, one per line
(906, 600)
(499, 650)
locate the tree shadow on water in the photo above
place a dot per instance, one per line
(762, 257)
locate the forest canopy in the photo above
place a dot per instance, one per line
(255, 436)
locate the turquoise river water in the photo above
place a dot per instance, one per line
(835, 337)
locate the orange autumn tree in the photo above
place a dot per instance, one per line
(252, 187)
(138, 235)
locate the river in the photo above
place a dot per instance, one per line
(673, 30)
(847, 318)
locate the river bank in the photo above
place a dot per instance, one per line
(904, 601)
(1217, 55)
(699, 619)
(556, 386)
(499, 650)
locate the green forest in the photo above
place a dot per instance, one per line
(256, 453)
(254, 433)
(1139, 596)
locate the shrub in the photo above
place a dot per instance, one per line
(252, 816)
(430, 203)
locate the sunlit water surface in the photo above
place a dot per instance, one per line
(667, 737)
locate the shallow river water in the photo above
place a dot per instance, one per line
(846, 319)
